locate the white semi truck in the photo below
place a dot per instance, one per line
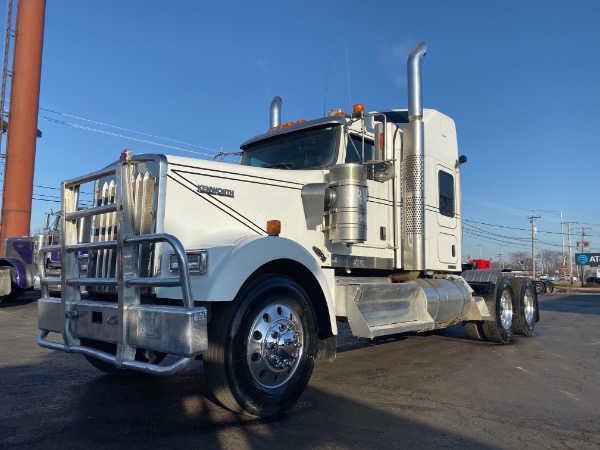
(348, 218)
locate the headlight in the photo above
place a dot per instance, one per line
(197, 261)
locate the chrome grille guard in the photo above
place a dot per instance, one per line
(128, 323)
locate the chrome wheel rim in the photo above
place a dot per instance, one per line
(506, 310)
(528, 306)
(275, 344)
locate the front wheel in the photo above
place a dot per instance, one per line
(500, 328)
(262, 347)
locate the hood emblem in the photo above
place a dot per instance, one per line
(215, 191)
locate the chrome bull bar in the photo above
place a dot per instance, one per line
(176, 330)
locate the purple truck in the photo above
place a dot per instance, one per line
(18, 264)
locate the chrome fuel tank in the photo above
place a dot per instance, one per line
(448, 299)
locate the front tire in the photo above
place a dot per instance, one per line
(262, 347)
(500, 328)
(525, 306)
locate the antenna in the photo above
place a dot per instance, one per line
(348, 72)
(326, 87)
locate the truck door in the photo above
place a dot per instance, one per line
(447, 211)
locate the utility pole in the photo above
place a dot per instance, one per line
(562, 231)
(501, 256)
(570, 254)
(584, 244)
(22, 122)
(532, 220)
(562, 235)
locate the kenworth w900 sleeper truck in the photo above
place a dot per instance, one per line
(347, 218)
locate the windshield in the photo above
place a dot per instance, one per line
(306, 149)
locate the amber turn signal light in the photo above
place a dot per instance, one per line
(273, 227)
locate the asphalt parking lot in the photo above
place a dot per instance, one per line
(433, 390)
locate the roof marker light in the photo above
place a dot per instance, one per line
(358, 110)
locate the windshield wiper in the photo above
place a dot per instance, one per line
(280, 165)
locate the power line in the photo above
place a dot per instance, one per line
(492, 239)
(497, 206)
(126, 129)
(49, 187)
(104, 124)
(510, 228)
(494, 234)
(122, 136)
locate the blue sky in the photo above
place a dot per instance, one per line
(520, 79)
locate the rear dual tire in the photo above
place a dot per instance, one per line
(500, 328)
(514, 310)
(525, 314)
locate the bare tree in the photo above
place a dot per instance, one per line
(519, 260)
(549, 260)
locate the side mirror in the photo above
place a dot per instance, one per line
(385, 172)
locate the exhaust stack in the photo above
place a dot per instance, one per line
(275, 112)
(413, 257)
(415, 91)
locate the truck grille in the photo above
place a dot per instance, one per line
(102, 263)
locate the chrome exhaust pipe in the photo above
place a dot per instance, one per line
(275, 112)
(415, 92)
(413, 254)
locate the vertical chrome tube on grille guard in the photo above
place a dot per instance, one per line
(119, 261)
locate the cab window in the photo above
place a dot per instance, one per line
(446, 187)
(354, 148)
(354, 154)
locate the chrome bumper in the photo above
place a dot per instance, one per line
(173, 330)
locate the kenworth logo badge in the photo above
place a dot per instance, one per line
(214, 191)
